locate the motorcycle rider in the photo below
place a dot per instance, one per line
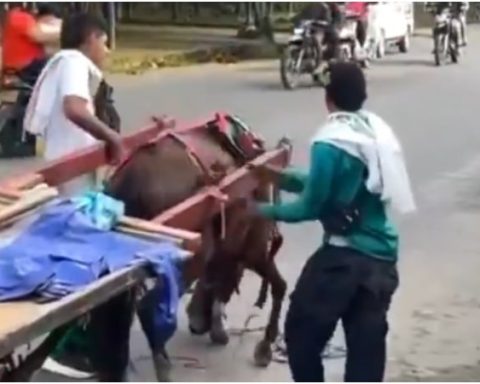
(361, 9)
(25, 36)
(459, 9)
(324, 11)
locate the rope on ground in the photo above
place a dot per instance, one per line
(330, 352)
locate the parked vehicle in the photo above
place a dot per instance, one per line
(390, 23)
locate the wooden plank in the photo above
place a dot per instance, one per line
(27, 181)
(191, 241)
(191, 213)
(29, 202)
(10, 194)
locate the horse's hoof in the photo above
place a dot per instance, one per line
(219, 336)
(197, 324)
(162, 367)
(263, 354)
(197, 331)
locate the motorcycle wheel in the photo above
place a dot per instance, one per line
(454, 47)
(439, 50)
(288, 61)
(454, 53)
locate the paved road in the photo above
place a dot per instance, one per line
(435, 112)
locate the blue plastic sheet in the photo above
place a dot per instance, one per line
(65, 250)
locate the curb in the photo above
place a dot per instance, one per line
(223, 54)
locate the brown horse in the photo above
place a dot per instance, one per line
(171, 169)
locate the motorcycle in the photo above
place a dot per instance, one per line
(302, 55)
(446, 35)
(19, 86)
(13, 141)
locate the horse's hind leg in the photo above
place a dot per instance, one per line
(271, 274)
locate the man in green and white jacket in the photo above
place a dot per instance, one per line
(356, 171)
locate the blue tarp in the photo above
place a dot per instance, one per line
(64, 250)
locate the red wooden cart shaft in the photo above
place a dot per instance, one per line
(192, 213)
(78, 163)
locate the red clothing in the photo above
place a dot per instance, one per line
(18, 48)
(358, 7)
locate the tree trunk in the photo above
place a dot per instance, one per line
(250, 16)
(264, 20)
(196, 9)
(268, 22)
(175, 11)
(127, 11)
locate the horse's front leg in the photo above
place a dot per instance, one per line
(263, 350)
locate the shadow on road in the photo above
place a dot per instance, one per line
(405, 63)
(278, 87)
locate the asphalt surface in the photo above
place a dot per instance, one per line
(434, 319)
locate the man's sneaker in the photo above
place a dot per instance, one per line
(73, 366)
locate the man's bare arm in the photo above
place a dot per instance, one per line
(44, 36)
(76, 111)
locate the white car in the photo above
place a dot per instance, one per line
(390, 23)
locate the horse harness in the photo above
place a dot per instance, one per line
(235, 137)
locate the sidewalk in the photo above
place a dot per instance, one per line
(141, 47)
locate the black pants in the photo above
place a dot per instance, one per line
(362, 31)
(332, 40)
(340, 284)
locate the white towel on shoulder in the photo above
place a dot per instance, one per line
(41, 104)
(369, 138)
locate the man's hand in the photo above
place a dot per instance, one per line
(164, 121)
(116, 151)
(266, 173)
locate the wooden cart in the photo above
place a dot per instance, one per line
(24, 321)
